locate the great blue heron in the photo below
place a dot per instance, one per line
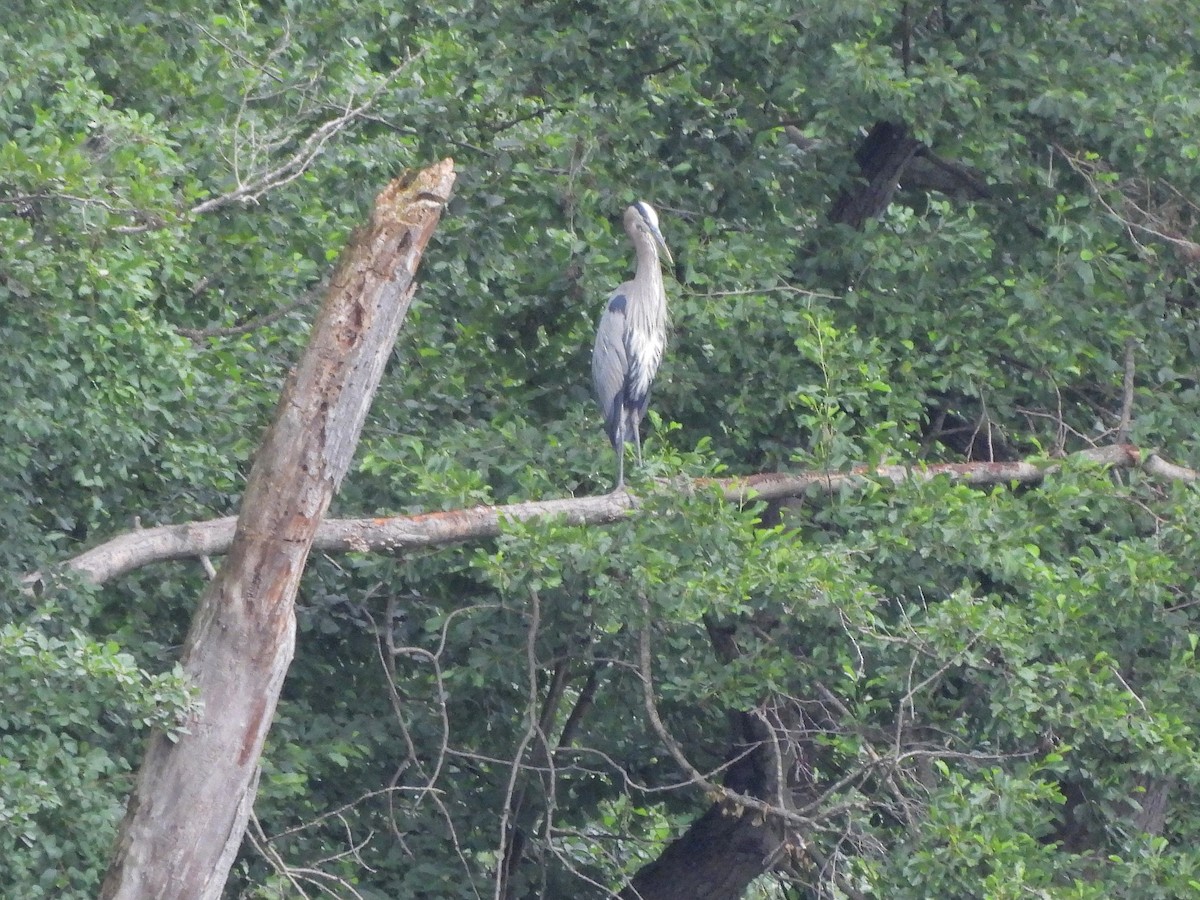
(631, 338)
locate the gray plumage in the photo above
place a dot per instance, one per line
(631, 338)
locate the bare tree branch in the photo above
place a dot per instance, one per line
(287, 171)
(200, 334)
(135, 549)
(1164, 219)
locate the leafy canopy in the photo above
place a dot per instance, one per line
(1023, 660)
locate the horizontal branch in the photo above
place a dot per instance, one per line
(393, 534)
(776, 486)
(193, 540)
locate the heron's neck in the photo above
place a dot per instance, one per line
(647, 262)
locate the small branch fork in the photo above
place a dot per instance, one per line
(803, 807)
(251, 189)
(264, 174)
(1162, 222)
(141, 547)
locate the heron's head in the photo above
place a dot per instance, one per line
(642, 219)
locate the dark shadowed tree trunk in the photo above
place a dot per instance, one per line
(883, 156)
(186, 818)
(722, 851)
(715, 859)
(729, 846)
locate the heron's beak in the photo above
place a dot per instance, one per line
(662, 245)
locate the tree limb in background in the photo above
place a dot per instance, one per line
(202, 334)
(188, 813)
(882, 157)
(889, 159)
(748, 830)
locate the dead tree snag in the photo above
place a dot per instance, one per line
(188, 812)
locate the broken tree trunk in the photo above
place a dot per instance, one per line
(186, 817)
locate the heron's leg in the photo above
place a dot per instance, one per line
(619, 449)
(637, 438)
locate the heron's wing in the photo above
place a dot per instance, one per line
(609, 363)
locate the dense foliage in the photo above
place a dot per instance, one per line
(990, 692)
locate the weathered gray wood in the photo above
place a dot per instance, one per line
(393, 534)
(189, 810)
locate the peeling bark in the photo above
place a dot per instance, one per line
(186, 818)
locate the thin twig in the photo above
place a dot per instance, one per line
(200, 334)
(1126, 419)
(297, 164)
(531, 731)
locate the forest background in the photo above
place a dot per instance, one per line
(904, 234)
